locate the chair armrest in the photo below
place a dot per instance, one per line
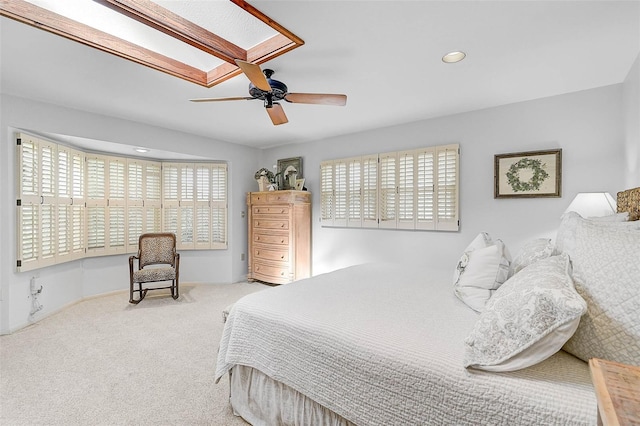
(131, 264)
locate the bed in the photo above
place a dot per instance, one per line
(385, 344)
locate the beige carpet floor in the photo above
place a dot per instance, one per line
(104, 361)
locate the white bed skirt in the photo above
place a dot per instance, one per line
(260, 400)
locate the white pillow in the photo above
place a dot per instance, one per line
(606, 270)
(531, 252)
(527, 320)
(566, 236)
(482, 268)
(616, 217)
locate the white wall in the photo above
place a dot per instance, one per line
(586, 125)
(66, 283)
(631, 101)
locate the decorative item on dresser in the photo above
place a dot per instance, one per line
(279, 236)
(264, 177)
(290, 170)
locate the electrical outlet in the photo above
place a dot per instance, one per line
(242, 256)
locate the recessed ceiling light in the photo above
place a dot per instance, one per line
(140, 149)
(453, 57)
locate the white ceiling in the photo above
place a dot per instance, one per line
(385, 55)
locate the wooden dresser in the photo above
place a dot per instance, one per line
(279, 236)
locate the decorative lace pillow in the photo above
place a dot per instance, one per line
(606, 270)
(482, 268)
(531, 252)
(527, 320)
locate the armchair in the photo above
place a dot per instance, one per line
(154, 249)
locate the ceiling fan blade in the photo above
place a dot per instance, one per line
(254, 74)
(316, 98)
(237, 98)
(277, 115)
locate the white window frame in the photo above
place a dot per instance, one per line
(60, 194)
(415, 190)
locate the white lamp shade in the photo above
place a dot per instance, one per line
(593, 204)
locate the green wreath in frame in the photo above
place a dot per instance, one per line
(539, 175)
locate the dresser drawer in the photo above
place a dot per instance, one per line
(273, 197)
(279, 254)
(271, 239)
(271, 223)
(268, 272)
(271, 210)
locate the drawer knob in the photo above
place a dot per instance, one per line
(282, 226)
(282, 273)
(282, 241)
(282, 257)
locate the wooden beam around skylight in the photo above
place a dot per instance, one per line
(167, 22)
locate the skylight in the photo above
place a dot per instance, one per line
(174, 36)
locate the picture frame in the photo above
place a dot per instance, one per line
(299, 184)
(528, 174)
(289, 169)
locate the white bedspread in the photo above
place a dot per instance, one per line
(382, 344)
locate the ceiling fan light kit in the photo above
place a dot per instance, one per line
(269, 90)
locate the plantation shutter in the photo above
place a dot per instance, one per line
(77, 204)
(64, 203)
(354, 192)
(152, 197)
(202, 206)
(406, 190)
(425, 189)
(135, 203)
(388, 191)
(48, 210)
(72, 205)
(116, 184)
(170, 198)
(447, 188)
(340, 193)
(186, 207)
(415, 189)
(28, 202)
(219, 206)
(326, 193)
(96, 171)
(370, 191)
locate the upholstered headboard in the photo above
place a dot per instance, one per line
(629, 201)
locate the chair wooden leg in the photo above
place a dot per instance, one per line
(141, 294)
(131, 300)
(174, 289)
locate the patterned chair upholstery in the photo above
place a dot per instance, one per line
(154, 249)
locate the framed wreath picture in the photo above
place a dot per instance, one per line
(528, 174)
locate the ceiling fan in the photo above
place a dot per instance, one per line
(271, 91)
